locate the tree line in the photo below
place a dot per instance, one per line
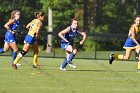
(95, 16)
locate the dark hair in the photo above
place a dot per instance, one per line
(38, 14)
(137, 16)
(75, 19)
(13, 13)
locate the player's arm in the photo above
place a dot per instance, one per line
(84, 37)
(133, 37)
(38, 29)
(28, 26)
(11, 21)
(61, 33)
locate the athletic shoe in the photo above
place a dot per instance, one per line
(37, 66)
(63, 69)
(71, 65)
(14, 66)
(18, 64)
(111, 59)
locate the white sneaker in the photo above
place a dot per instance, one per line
(18, 64)
(63, 69)
(72, 66)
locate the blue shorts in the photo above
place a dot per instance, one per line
(65, 45)
(9, 37)
(129, 43)
(29, 39)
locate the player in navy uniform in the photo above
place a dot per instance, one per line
(67, 35)
(10, 41)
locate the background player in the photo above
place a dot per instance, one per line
(67, 35)
(10, 41)
(30, 40)
(131, 42)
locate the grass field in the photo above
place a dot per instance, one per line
(90, 76)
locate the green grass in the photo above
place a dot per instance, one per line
(81, 54)
(90, 76)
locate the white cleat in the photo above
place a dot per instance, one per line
(63, 69)
(18, 64)
(72, 66)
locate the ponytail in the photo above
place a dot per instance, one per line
(38, 14)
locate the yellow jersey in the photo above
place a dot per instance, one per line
(33, 27)
(136, 28)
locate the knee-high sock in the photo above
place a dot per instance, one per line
(118, 56)
(139, 65)
(64, 64)
(35, 60)
(71, 57)
(1, 50)
(14, 55)
(19, 56)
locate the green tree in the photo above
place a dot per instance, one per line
(63, 12)
(113, 16)
(27, 8)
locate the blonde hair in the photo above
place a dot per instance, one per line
(38, 14)
(13, 13)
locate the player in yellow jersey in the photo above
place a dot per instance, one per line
(132, 42)
(30, 40)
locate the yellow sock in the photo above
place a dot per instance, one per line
(35, 59)
(139, 65)
(17, 59)
(118, 56)
(115, 56)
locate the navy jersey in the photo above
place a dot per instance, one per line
(70, 36)
(9, 37)
(14, 25)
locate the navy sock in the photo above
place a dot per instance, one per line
(1, 50)
(64, 64)
(14, 55)
(71, 57)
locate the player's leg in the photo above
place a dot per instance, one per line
(6, 48)
(69, 50)
(126, 56)
(6, 44)
(138, 55)
(22, 53)
(137, 52)
(72, 51)
(120, 56)
(72, 54)
(138, 65)
(35, 56)
(64, 64)
(14, 52)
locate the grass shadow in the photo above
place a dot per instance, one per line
(87, 70)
